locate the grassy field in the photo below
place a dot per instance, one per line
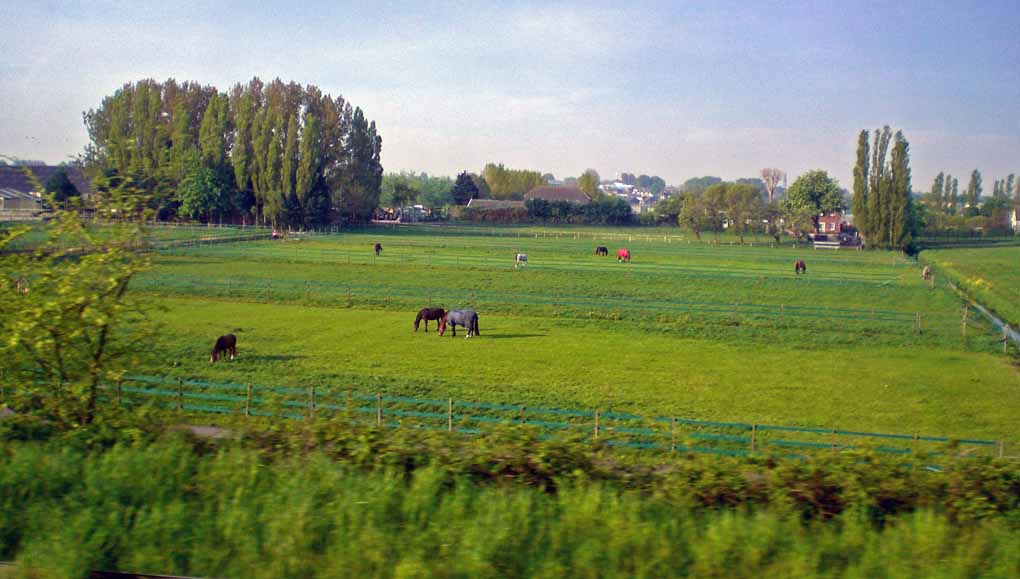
(695, 330)
(990, 275)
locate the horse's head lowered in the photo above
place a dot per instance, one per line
(442, 324)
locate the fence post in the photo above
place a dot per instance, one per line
(311, 402)
(833, 440)
(966, 308)
(119, 380)
(378, 410)
(1002, 448)
(597, 424)
(449, 414)
(1005, 337)
(247, 399)
(672, 434)
(180, 393)
(754, 437)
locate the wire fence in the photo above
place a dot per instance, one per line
(414, 297)
(619, 429)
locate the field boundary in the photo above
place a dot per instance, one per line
(617, 429)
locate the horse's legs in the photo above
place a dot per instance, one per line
(233, 352)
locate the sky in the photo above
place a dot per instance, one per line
(676, 89)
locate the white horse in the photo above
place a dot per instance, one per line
(521, 259)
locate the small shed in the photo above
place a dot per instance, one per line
(11, 200)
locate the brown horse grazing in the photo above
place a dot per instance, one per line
(226, 344)
(429, 314)
(602, 250)
(800, 267)
(623, 254)
(378, 248)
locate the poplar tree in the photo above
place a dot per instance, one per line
(973, 193)
(899, 194)
(240, 154)
(290, 156)
(859, 202)
(937, 193)
(877, 187)
(954, 195)
(308, 157)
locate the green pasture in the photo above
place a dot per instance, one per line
(702, 331)
(700, 288)
(990, 275)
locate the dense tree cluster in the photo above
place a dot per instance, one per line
(505, 183)
(408, 188)
(277, 152)
(945, 209)
(882, 206)
(602, 211)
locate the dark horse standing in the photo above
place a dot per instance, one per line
(466, 318)
(800, 267)
(602, 250)
(378, 248)
(226, 344)
(429, 314)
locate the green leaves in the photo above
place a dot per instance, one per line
(66, 310)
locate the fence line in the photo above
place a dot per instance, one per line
(618, 429)
(266, 288)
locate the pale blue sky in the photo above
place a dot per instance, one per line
(674, 89)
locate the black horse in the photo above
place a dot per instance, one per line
(226, 344)
(800, 267)
(429, 314)
(378, 248)
(602, 250)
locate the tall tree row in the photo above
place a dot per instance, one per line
(279, 152)
(881, 200)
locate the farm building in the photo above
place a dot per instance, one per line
(12, 201)
(830, 224)
(13, 177)
(488, 204)
(551, 194)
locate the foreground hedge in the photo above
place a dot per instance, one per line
(240, 510)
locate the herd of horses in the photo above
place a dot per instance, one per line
(227, 344)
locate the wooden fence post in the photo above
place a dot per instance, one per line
(754, 437)
(672, 434)
(180, 393)
(966, 309)
(247, 399)
(597, 424)
(833, 440)
(311, 402)
(378, 410)
(1002, 448)
(449, 414)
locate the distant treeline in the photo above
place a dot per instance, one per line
(275, 153)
